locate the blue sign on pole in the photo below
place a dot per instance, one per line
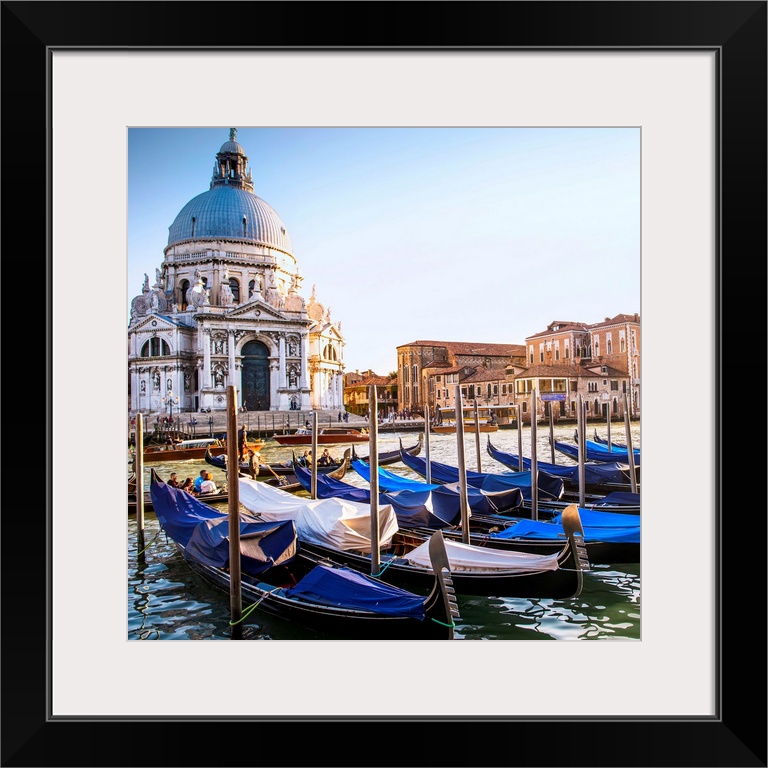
(550, 396)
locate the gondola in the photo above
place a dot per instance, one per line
(599, 477)
(392, 457)
(598, 452)
(272, 469)
(340, 530)
(279, 577)
(441, 502)
(327, 436)
(549, 487)
(609, 538)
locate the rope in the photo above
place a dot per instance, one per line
(442, 623)
(150, 543)
(252, 607)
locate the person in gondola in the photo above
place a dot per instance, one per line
(188, 486)
(208, 485)
(199, 480)
(325, 459)
(173, 480)
(242, 440)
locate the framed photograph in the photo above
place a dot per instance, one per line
(691, 77)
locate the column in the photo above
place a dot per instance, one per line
(340, 390)
(206, 358)
(281, 374)
(231, 364)
(304, 361)
(274, 373)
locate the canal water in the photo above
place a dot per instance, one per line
(166, 601)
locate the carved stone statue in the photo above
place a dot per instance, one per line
(196, 294)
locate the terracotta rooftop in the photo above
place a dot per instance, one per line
(472, 347)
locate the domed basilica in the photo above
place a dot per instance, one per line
(226, 308)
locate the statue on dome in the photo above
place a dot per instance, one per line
(232, 134)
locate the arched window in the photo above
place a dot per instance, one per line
(621, 344)
(609, 345)
(234, 286)
(155, 347)
(182, 298)
(251, 288)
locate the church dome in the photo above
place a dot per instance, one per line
(231, 213)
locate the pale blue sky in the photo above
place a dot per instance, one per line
(452, 234)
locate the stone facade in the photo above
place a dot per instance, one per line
(226, 308)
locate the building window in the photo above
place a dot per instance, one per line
(557, 353)
(234, 286)
(183, 288)
(155, 347)
(621, 344)
(614, 386)
(609, 345)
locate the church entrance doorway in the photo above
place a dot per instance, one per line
(255, 382)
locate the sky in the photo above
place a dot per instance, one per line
(447, 234)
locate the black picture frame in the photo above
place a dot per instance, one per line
(736, 736)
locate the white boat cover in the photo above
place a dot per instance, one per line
(465, 557)
(330, 522)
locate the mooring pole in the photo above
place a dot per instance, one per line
(477, 436)
(426, 444)
(551, 431)
(630, 450)
(520, 462)
(463, 494)
(314, 455)
(534, 461)
(138, 471)
(373, 463)
(233, 506)
(581, 446)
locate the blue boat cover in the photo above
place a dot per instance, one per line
(262, 545)
(345, 588)
(603, 519)
(204, 531)
(390, 481)
(594, 473)
(598, 452)
(437, 507)
(549, 487)
(618, 499)
(445, 500)
(538, 530)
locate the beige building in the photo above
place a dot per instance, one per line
(599, 362)
(356, 393)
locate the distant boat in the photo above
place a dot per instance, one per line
(327, 436)
(445, 421)
(190, 449)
